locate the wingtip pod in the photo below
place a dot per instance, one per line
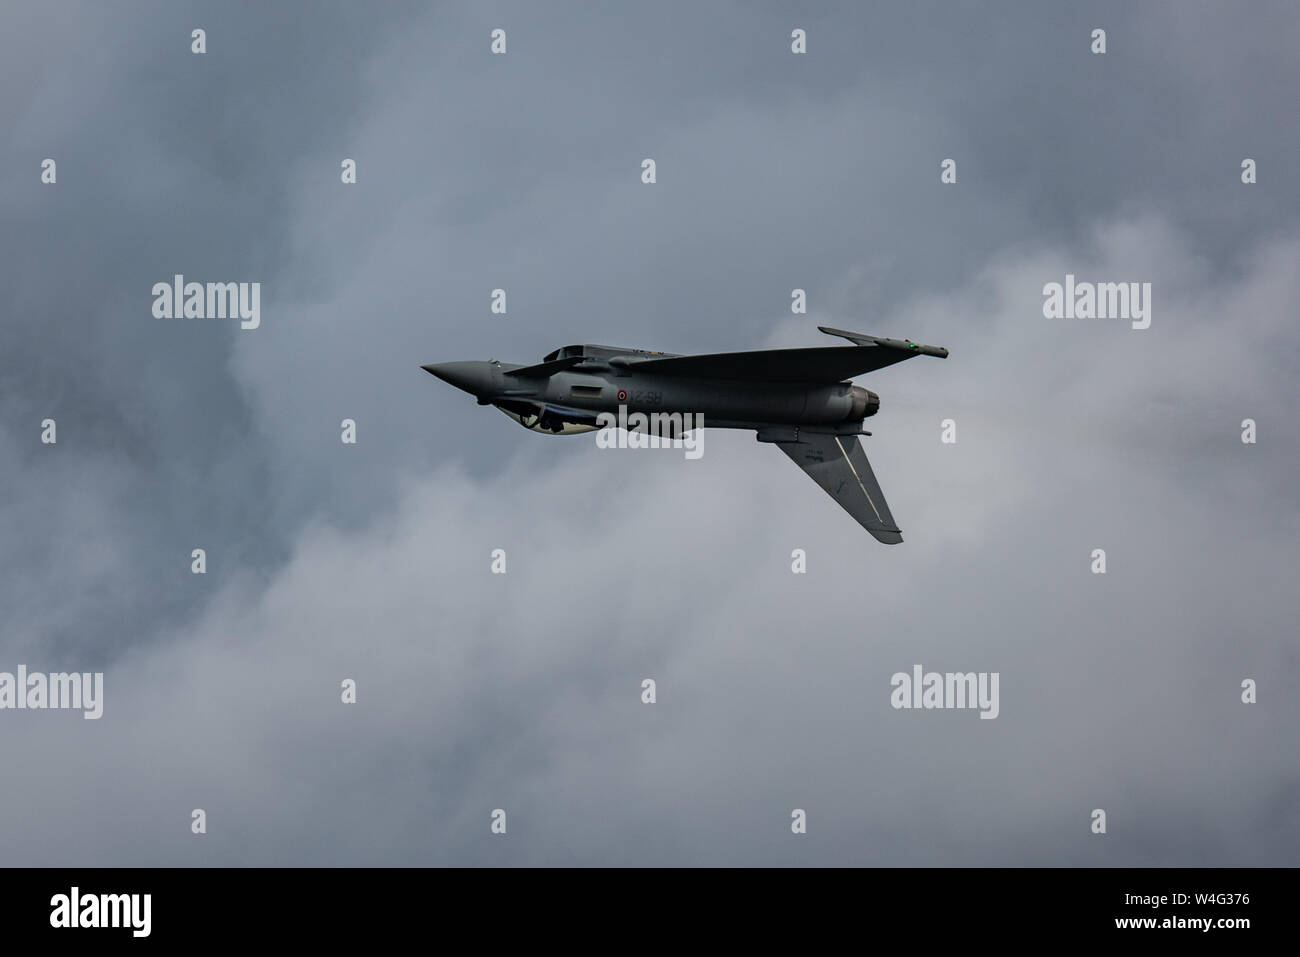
(862, 339)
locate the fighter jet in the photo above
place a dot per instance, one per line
(797, 399)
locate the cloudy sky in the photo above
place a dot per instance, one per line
(522, 691)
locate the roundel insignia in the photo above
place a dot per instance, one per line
(622, 395)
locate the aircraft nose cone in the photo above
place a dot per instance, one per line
(468, 376)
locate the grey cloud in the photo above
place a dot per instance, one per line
(480, 691)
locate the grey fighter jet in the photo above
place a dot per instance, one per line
(797, 399)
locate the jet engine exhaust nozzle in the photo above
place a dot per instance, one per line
(865, 403)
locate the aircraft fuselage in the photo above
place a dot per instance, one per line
(596, 386)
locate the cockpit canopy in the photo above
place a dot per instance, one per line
(589, 351)
(564, 352)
